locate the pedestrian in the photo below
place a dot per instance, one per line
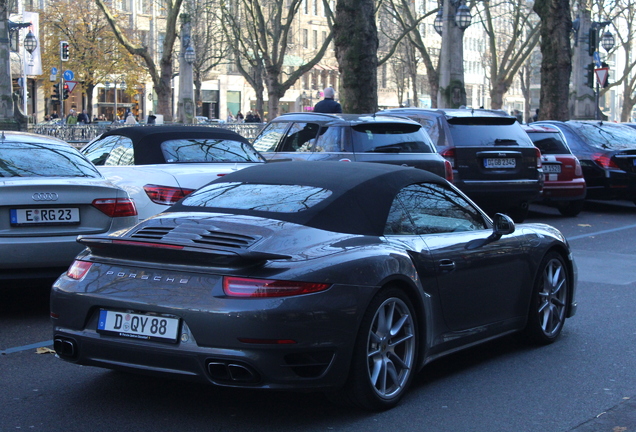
(152, 119)
(518, 115)
(328, 104)
(130, 119)
(256, 118)
(83, 118)
(239, 117)
(71, 120)
(535, 117)
(54, 115)
(249, 118)
(230, 117)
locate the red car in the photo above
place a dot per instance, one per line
(564, 183)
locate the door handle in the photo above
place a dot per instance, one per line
(446, 265)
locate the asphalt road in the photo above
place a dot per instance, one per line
(501, 386)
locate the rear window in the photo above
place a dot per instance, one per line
(390, 138)
(208, 150)
(549, 142)
(257, 197)
(607, 136)
(43, 160)
(488, 135)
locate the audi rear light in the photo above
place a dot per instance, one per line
(604, 161)
(116, 207)
(449, 155)
(78, 269)
(166, 195)
(247, 287)
(538, 154)
(448, 171)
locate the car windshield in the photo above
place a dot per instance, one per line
(257, 197)
(390, 138)
(208, 150)
(549, 142)
(23, 159)
(607, 136)
(483, 135)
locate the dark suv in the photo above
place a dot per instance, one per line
(494, 161)
(351, 137)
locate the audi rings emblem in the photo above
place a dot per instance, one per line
(44, 196)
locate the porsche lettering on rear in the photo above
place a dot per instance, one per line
(145, 276)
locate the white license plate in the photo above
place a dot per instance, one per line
(137, 326)
(45, 216)
(500, 162)
(551, 168)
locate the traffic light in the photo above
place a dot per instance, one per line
(592, 41)
(64, 51)
(65, 92)
(589, 75)
(55, 97)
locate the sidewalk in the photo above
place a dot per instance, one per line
(621, 418)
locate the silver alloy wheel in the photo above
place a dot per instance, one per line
(552, 297)
(391, 348)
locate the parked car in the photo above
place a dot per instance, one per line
(159, 165)
(350, 137)
(494, 161)
(564, 183)
(51, 194)
(270, 278)
(607, 153)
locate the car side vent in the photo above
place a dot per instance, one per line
(216, 238)
(152, 232)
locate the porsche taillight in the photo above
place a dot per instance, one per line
(78, 269)
(448, 171)
(166, 195)
(248, 287)
(115, 207)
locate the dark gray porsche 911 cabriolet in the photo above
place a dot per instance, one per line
(341, 277)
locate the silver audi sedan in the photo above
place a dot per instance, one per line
(50, 194)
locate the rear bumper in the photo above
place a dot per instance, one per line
(564, 191)
(501, 192)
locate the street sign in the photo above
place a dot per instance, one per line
(68, 75)
(597, 59)
(71, 85)
(53, 71)
(601, 75)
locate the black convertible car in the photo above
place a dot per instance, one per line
(341, 277)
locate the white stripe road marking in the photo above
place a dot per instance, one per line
(26, 347)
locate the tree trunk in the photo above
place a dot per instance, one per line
(556, 65)
(356, 46)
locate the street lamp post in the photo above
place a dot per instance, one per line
(607, 42)
(187, 56)
(30, 44)
(452, 19)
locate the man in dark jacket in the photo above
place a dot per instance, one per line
(328, 104)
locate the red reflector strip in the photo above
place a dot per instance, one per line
(245, 287)
(148, 244)
(267, 341)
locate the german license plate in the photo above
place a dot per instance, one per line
(551, 168)
(39, 216)
(138, 326)
(500, 162)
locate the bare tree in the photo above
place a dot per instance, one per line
(161, 76)
(208, 40)
(259, 33)
(512, 35)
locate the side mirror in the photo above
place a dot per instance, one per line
(502, 224)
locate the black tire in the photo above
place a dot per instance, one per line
(519, 212)
(549, 302)
(571, 208)
(385, 354)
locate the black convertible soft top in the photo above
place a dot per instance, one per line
(362, 193)
(147, 139)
